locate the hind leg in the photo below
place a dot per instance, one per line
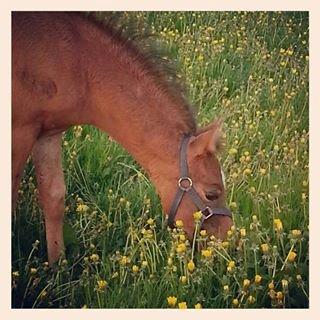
(23, 139)
(48, 166)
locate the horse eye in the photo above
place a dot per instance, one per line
(212, 195)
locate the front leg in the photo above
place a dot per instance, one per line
(48, 167)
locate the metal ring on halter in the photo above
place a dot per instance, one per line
(185, 179)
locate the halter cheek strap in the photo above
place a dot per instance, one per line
(185, 186)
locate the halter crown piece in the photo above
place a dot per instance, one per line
(185, 186)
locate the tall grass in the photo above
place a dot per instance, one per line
(250, 68)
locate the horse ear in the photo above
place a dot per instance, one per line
(208, 139)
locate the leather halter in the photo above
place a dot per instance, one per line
(185, 186)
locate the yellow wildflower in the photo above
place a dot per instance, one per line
(101, 284)
(225, 244)
(183, 279)
(233, 205)
(289, 52)
(179, 223)
(181, 248)
(226, 288)
(207, 253)
(191, 266)
(231, 266)
(257, 279)
(279, 295)
(82, 208)
(203, 233)
(150, 221)
(235, 302)
(124, 260)
(303, 197)
(33, 270)
(144, 263)
(198, 306)
(263, 171)
(251, 299)
(94, 257)
(135, 269)
(265, 248)
(271, 285)
(43, 294)
(233, 151)
(15, 273)
(172, 301)
(278, 225)
(247, 171)
(182, 305)
(182, 237)
(243, 232)
(272, 294)
(246, 283)
(284, 283)
(291, 256)
(197, 216)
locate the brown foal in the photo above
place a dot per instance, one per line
(68, 70)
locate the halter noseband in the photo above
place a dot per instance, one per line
(185, 185)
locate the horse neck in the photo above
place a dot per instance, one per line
(146, 122)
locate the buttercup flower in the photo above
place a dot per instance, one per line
(197, 216)
(265, 248)
(207, 253)
(181, 248)
(243, 232)
(191, 266)
(291, 256)
(182, 305)
(82, 208)
(284, 283)
(257, 279)
(94, 257)
(101, 284)
(251, 299)
(278, 225)
(33, 270)
(183, 279)
(179, 223)
(296, 234)
(235, 302)
(135, 269)
(172, 301)
(246, 283)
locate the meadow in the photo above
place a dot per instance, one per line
(251, 68)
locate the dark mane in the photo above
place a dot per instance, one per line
(139, 42)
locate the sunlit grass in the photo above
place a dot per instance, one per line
(249, 68)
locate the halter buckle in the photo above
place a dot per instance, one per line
(208, 209)
(182, 180)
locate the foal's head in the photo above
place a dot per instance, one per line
(207, 181)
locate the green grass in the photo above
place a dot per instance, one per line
(250, 68)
